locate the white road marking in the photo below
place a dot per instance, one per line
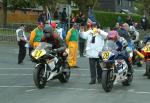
(138, 92)
(78, 75)
(1, 68)
(75, 89)
(30, 90)
(72, 75)
(79, 89)
(15, 74)
(16, 86)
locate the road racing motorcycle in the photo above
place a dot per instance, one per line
(49, 65)
(114, 68)
(146, 52)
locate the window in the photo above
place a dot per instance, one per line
(130, 3)
(119, 2)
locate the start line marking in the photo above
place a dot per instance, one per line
(76, 89)
(71, 69)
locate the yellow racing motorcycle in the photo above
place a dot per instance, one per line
(146, 52)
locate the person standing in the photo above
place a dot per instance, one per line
(119, 20)
(64, 16)
(60, 30)
(129, 20)
(36, 35)
(21, 38)
(144, 22)
(56, 14)
(95, 42)
(72, 43)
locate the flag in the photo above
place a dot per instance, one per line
(91, 17)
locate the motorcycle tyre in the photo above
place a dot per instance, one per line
(36, 77)
(128, 81)
(64, 77)
(148, 68)
(106, 80)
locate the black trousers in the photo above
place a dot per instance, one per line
(30, 50)
(95, 69)
(22, 51)
(81, 47)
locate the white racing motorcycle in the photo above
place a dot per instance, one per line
(49, 65)
(114, 68)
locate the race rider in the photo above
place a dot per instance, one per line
(121, 45)
(134, 34)
(58, 45)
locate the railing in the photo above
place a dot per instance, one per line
(7, 35)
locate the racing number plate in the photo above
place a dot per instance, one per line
(38, 53)
(106, 55)
(147, 49)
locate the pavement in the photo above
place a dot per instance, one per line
(17, 86)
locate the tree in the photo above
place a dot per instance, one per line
(85, 4)
(143, 6)
(4, 12)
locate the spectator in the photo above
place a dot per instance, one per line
(83, 22)
(129, 21)
(42, 17)
(21, 38)
(119, 20)
(78, 19)
(144, 22)
(72, 43)
(64, 16)
(36, 35)
(60, 30)
(95, 42)
(56, 14)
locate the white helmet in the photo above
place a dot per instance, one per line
(132, 28)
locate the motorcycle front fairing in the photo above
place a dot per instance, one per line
(107, 56)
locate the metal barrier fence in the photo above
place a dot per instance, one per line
(8, 35)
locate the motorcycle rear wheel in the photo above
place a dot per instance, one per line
(128, 81)
(38, 78)
(107, 82)
(148, 68)
(65, 75)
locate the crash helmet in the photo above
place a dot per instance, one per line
(48, 30)
(132, 29)
(124, 43)
(112, 35)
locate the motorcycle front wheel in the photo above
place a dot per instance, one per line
(65, 75)
(148, 68)
(107, 81)
(39, 79)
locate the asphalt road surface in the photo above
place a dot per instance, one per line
(17, 86)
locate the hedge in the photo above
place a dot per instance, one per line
(109, 19)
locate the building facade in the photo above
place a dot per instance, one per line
(116, 5)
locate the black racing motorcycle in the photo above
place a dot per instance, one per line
(49, 65)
